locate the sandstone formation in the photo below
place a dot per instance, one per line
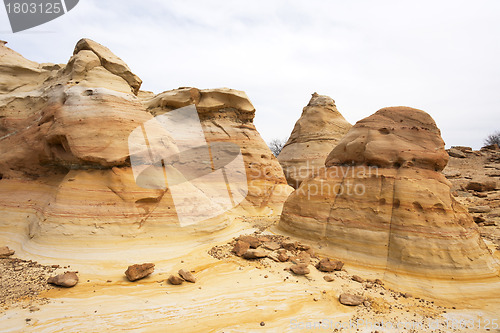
(226, 116)
(65, 159)
(474, 184)
(69, 198)
(316, 133)
(381, 202)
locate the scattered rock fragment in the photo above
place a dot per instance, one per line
(273, 246)
(328, 278)
(240, 248)
(5, 252)
(453, 152)
(487, 224)
(481, 186)
(253, 241)
(350, 299)
(175, 280)
(491, 147)
(303, 247)
(187, 276)
(301, 258)
(329, 265)
(479, 209)
(300, 269)
(274, 256)
(67, 280)
(493, 174)
(463, 149)
(255, 254)
(282, 256)
(357, 279)
(290, 246)
(137, 272)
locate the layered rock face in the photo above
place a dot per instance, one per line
(382, 203)
(226, 116)
(316, 133)
(64, 148)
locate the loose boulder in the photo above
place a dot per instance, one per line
(5, 252)
(67, 280)
(137, 272)
(300, 269)
(329, 265)
(187, 276)
(175, 280)
(351, 300)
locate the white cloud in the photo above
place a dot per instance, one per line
(441, 57)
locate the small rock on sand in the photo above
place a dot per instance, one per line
(350, 299)
(300, 269)
(67, 280)
(357, 279)
(329, 265)
(137, 272)
(175, 280)
(187, 276)
(5, 252)
(240, 248)
(328, 278)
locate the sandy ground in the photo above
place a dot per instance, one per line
(231, 294)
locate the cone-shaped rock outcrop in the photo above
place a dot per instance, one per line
(316, 133)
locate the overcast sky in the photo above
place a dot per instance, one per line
(439, 56)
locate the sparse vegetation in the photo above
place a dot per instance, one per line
(492, 139)
(276, 145)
